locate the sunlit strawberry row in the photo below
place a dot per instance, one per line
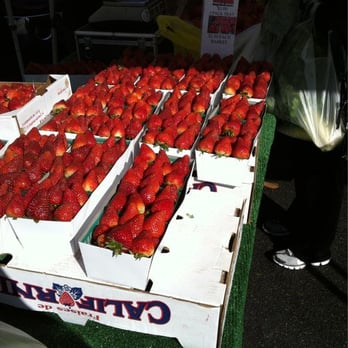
(41, 179)
(136, 217)
(232, 130)
(249, 79)
(179, 121)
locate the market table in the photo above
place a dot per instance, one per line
(53, 332)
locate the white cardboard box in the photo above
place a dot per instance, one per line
(49, 240)
(20, 121)
(190, 305)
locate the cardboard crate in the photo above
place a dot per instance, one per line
(49, 240)
(190, 304)
(20, 121)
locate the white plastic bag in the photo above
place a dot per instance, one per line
(306, 88)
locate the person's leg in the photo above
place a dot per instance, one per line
(313, 216)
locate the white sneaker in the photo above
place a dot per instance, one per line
(285, 258)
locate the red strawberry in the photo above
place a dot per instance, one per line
(45, 160)
(21, 183)
(166, 138)
(118, 129)
(223, 147)
(35, 173)
(119, 239)
(134, 128)
(5, 199)
(15, 207)
(13, 166)
(150, 136)
(185, 140)
(86, 138)
(170, 191)
(66, 211)
(155, 224)
(175, 177)
(98, 235)
(118, 201)
(90, 183)
(109, 217)
(81, 194)
(39, 207)
(207, 143)
(166, 204)
(148, 193)
(134, 206)
(55, 195)
(80, 153)
(231, 128)
(182, 164)
(242, 148)
(60, 144)
(144, 245)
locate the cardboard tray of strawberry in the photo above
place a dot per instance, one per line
(127, 231)
(251, 79)
(176, 125)
(120, 109)
(24, 105)
(226, 150)
(50, 186)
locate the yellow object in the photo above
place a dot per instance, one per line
(185, 37)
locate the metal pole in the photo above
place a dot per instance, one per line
(53, 32)
(13, 29)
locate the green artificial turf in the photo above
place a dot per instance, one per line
(55, 333)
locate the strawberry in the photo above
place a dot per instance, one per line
(45, 160)
(4, 201)
(134, 206)
(155, 224)
(15, 207)
(118, 201)
(86, 138)
(21, 183)
(223, 147)
(35, 173)
(81, 194)
(109, 218)
(59, 106)
(182, 164)
(154, 98)
(134, 128)
(33, 134)
(90, 182)
(72, 168)
(169, 191)
(118, 239)
(175, 177)
(146, 153)
(185, 140)
(39, 207)
(76, 125)
(66, 211)
(148, 192)
(166, 138)
(231, 128)
(241, 148)
(60, 144)
(14, 165)
(166, 204)
(55, 195)
(80, 153)
(98, 235)
(144, 245)
(118, 129)
(141, 111)
(154, 122)
(150, 136)
(207, 143)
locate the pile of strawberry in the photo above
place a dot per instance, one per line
(159, 77)
(41, 180)
(249, 79)
(179, 122)
(15, 95)
(136, 217)
(232, 131)
(117, 110)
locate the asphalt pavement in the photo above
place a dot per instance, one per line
(305, 308)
